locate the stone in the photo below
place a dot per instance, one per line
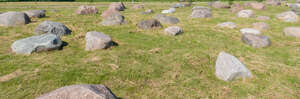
(166, 19)
(229, 68)
(56, 28)
(200, 8)
(297, 1)
(97, 40)
(288, 16)
(173, 30)
(256, 41)
(260, 26)
(292, 31)
(257, 6)
(177, 5)
(118, 6)
(171, 10)
(138, 6)
(273, 2)
(114, 19)
(236, 7)
(250, 31)
(44, 42)
(245, 14)
(148, 11)
(263, 18)
(219, 4)
(82, 91)
(109, 12)
(84, 10)
(149, 24)
(201, 13)
(13, 19)
(36, 13)
(247, 4)
(230, 25)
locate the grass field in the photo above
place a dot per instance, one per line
(148, 64)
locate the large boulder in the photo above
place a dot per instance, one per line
(166, 19)
(256, 41)
(229, 68)
(97, 40)
(263, 18)
(84, 9)
(44, 42)
(273, 2)
(257, 6)
(114, 19)
(201, 13)
(250, 31)
(219, 4)
(53, 28)
(230, 25)
(173, 30)
(82, 91)
(245, 14)
(292, 31)
(288, 16)
(119, 6)
(170, 10)
(236, 7)
(149, 24)
(109, 12)
(13, 19)
(36, 13)
(260, 26)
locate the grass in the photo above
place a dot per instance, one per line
(148, 63)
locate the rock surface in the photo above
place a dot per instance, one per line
(44, 42)
(236, 7)
(109, 12)
(171, 10)
(201, 13)
(36, 13)
(177, 5)
(114, 19)
(219, 4)
(230, 25)
(256, 41)
(273, 2)
(118, 6)
(173, 30)
(82, 91)
(250, 31)
(148, 11)
(260, 26)
(97, 40)
(257, 6)
(13, 19)
(53, 28)
(292, 31)
(245, 14)
(83, 10)
(288, 16)
(229, 68)
(149, 24)
(263, 18)
(200, 8)
(166, 19)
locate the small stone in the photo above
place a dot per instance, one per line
(118, 6)
(149, 24)
(250, 31)
(177, 5)
(173, 30)
(13, 19)
(256, 41)
(148, 11)
(36, 13)
(263, 18)
(236, 7)
(288, 16)
(83, 10)
(109, 12)
(171, 10)
(257, 6)
(200, 8)
(245, 14)
(230, 25)
(44, 42)
(229, 68)
(166, 19)
(97, 40)
(219, 4)
(292, 31)
(138, 6)
(260, 26)
(201, 13)
(53, 28)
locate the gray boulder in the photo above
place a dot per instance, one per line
(119, 6)
(292, 31)
(56, 28)
(149, 24)
(82, 91)
(166, 19)
(219, 4)
(229, 68)
(44, 42)
(97, 40)
(256, 41)
(177, 5)
(36, 13)
(173, 30)
(13, 19)
(260, 26)
(84, 10)
(236, 7)
(288, 16)
(273, 2)
(114, 19)
(200, 8)
(170, 10)
(245, 14)
(250, 31)
(230, 25)
(201, 13)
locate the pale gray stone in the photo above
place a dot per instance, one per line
(200, 8)
(173, 30)
(14, 19)
(53, 28)
(114, 19)
(84, 9)
(36, 13)
(201, 13)
(260, 26)
(288, 16)
(292, 31)
(219, 4)
(171, 10)
(230, 25)
(263, 18)
(166, 19)
(245, 14)
(256, 41)
(250, 31)
(97, 40)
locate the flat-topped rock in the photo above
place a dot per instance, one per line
(82, 91)
(250, 31)
(84, 9)
(114, 19)
(288, 16)
(292, 31)
(149, 24)
(230, 25)
(201, 13)
(260, 26)
(13, 19)
(36, 13)
(97, 40)
(173, 30)
(256, 41)
(56, 28)
(166, 19)
(229, 68)
(44, 42)
(245, 14)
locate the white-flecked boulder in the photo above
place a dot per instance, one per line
(166, 19)
(36, 13)
(114, 19)
(53, 28)
(44, 42)
(97, 40)
(149, 24)
(245, 14)
(230, 25)
(292, 31)
(288, 16)
(201, 13)
(263, 18)
(170, 10)
(83, 91)
(13, 19)
(250, 31)
(229, 68)
(260, 26)
(84, 9)
(256, 41)
(173, 30)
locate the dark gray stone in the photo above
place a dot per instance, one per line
(97, 40)
(56, 28)
(13, 19)
(256, 41)
(149, 24)
(166, 19)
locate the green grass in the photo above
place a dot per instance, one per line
(148, 63)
